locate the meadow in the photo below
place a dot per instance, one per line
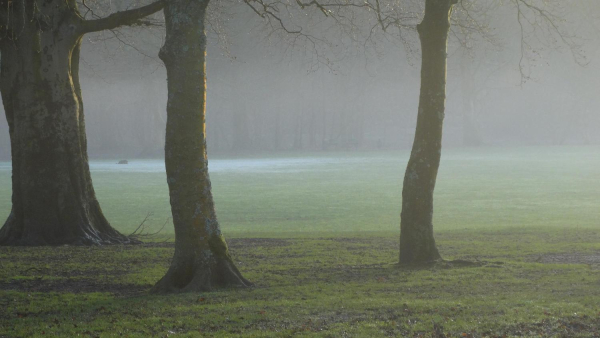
(318, 235)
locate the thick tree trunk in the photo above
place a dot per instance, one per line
(53, 199)
(201, 261)
(417, 245)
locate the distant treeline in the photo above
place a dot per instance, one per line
(262, 99)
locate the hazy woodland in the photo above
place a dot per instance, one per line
(265, 94)
(307, 146)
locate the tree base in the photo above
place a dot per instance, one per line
(417, 247)
(420, 264)
(13, 233)
(201, 275)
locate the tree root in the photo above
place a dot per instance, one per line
(10, 235)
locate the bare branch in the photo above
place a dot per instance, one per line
(142, 225)
(139, 233)
(124, 18)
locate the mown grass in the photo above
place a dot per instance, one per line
(329, 287)
(320, 240)
(355, 192)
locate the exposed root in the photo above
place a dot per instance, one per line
(13, 234)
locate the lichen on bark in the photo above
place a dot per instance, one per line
(201, 261)
(53, 200)
(417, 243)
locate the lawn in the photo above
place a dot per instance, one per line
(318, 235)
(334, 193)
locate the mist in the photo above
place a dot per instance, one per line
(412, 168)
(267, 96)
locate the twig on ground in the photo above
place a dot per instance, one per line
(139, 233)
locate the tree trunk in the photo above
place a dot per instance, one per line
(53, 199)
(417, 245)
(201, 261)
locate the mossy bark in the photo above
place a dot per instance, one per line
(201, 261)
(417, 244)
(53, 200)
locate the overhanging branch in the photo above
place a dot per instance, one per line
(124, 18)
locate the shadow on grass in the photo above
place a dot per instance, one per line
(73, 285)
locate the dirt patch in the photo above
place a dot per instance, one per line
(593, 260)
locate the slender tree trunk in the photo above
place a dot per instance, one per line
(201, 260)
(417, 245)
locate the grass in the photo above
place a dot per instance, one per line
(487, 188)
(329, 287)
(320, 240)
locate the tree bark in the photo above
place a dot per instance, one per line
(54, 202)
(417, 244)
(201, 261)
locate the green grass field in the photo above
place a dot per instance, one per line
(487, 188)
(318, 234)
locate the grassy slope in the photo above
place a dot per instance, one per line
(331, 272)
